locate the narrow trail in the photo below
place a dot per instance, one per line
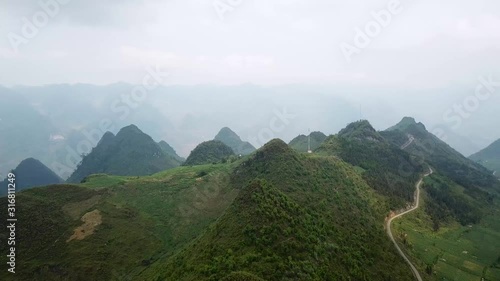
(389, 231)
(410, 141)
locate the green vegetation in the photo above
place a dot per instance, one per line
(403, 125)
(489, 157)
(209, 152)
(275, 214)
(445, 159)
(455, 234)
(129, 153)
(30, 173)
(386, 168)
(241, 276)
(170, 151)
(231, 139)
(143, 219)
(295, 218)
(448, 202)
(454, 252)
(300, 143)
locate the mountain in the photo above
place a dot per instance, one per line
(460, 189)
(276, 214)
(170, 151)
(489, 157)
(403, 124)
(300, 143)
(24, 132)
(131, 152)
(30, 173)
(209, 152)
(440, 155)
(384, 166)
(295, 218)
(231, 139)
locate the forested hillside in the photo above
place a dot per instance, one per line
(130, 153)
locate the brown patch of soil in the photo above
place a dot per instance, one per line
(90, 221)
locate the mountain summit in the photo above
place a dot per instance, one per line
(209, 152)
(300, 143)
(31, 173)
(231, 139)
(130, 153)
(406, 123)
(361, 130)
(440, 155)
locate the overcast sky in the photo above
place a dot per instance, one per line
(425, 44)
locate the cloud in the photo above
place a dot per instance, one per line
(260, 41)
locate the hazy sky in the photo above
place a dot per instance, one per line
(423, 44)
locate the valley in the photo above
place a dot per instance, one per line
(230, 140)
(278, 213)
(454, 252)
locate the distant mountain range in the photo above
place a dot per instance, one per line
(489, 157)
(130, 153)
(30, 173)
(278, 213)
(231, 139)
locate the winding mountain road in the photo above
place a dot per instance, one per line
(389, 221)
(410, 141)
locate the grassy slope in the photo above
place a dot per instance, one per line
(312, 218)
(459, 194)
(385, 167)
(144, 219)
(456, 252)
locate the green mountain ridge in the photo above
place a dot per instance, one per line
(209, 152)
(386, 167)
(276, 214)
(301, 142)
(130, 153)
(295, 218)
(440, 155)
(460, 189)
